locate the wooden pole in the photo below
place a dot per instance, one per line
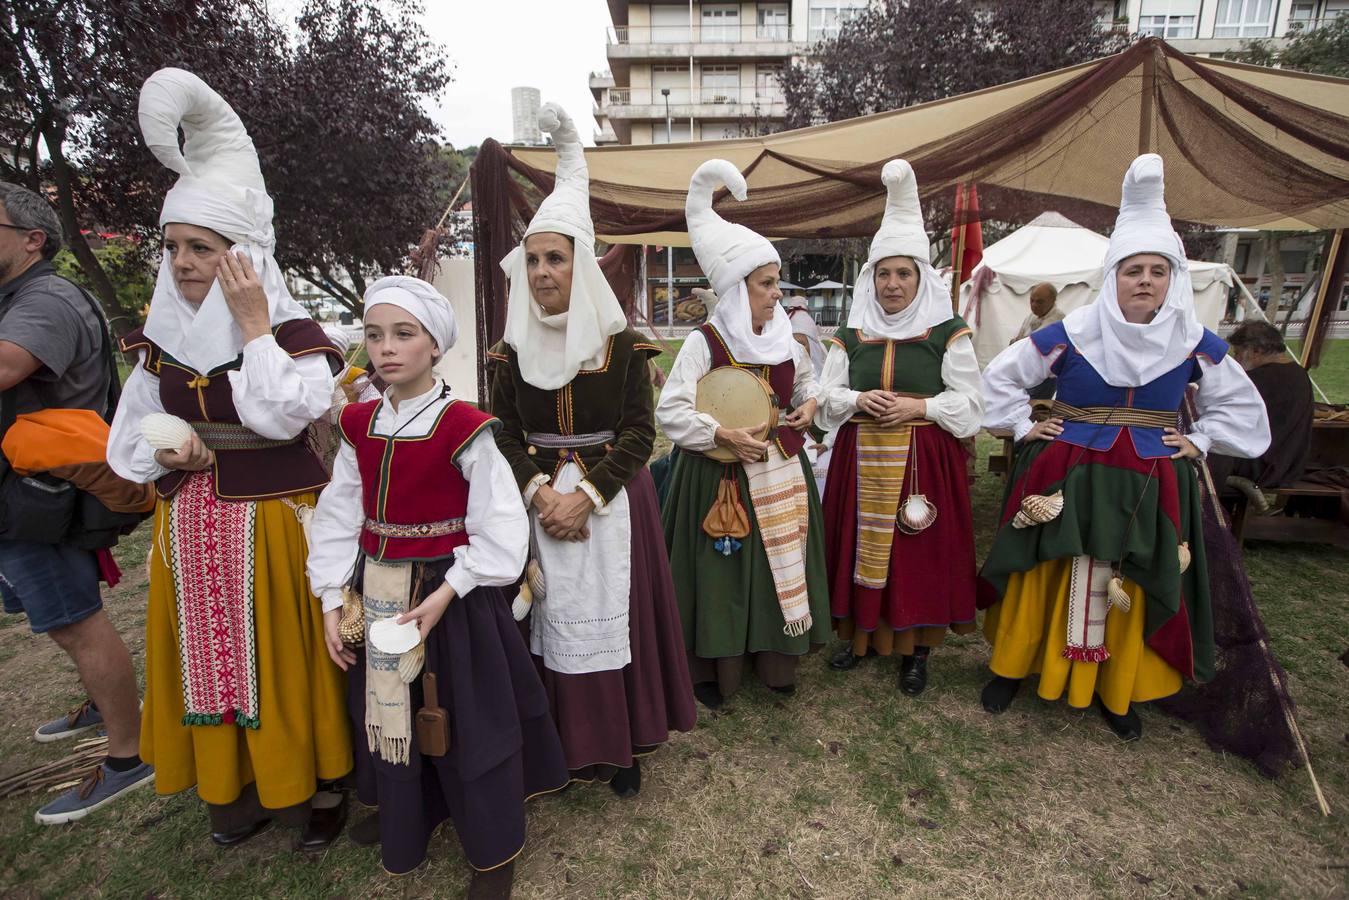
(1146, 101)
(958, 248)
(1332, 277)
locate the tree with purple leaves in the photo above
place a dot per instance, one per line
(333, 101)
(897, 53)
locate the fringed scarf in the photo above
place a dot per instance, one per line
(1088, 603)
(781, 502)
(882, 461)
(386, 589)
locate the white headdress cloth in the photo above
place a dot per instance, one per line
(551, 349)
(902, 233)
(1125, 354)
(728, 253)
(219, 187)
(429, 305)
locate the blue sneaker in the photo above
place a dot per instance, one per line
(99, 788)
(79, 720)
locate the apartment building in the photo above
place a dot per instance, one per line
(1218, 27)
(691, 70)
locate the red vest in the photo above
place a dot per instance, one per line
(781, 378)
(414, 495)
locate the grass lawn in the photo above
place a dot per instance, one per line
(848, 789)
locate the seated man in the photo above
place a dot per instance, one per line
(1042, 312)
(1287, 392)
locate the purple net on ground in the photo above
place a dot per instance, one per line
(1246, 708)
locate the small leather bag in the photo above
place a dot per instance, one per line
(433, 721)
(727, 517)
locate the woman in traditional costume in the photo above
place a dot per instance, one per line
(241, 702)
(421, 524)
(572, 388)
(1098, 572)
(903, 382)
(745, 543)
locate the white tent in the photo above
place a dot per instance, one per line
(1054, 249)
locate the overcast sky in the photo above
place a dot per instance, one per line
(496, 45)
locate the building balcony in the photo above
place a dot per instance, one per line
(657, 42)
(700, 103)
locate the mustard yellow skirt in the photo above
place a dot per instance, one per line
(1028, 629)
(303, 733)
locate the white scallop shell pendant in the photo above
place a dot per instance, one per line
(915, 514)
(388, 636)
(534, 576)
(1183, 553)
(165, 432)
(1037, 509)
(410, 663)
(1118, 595)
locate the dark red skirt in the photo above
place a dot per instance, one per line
(603, 716)
(932, 573)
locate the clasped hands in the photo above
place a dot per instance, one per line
(889, 408)
(563, 516)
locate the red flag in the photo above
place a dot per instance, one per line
(967, 235)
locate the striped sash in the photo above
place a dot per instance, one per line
(882, 462)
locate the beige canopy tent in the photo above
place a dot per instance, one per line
(1244, 146)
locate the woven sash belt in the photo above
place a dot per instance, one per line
(418, 530)
(570, 441)
(233, 436)
(1115, 415)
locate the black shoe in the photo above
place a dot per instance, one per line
(325, 824)
(627, 782)
(844, 659)
(913, 674)
(785, 689)
(708, 694)
(492, 885)
(998, 693)
(239, 835)
(365, 833)
(1127, 728)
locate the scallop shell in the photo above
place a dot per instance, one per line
(410, 663)
(165, 432)
(534, 577)
(521, 604)
(1037, 509)
(351, 627)
(388, 636)
(1118, 595)
(1183, 551)
(915, 514)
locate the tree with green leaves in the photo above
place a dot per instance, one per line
(1323, 50)
(335, 107)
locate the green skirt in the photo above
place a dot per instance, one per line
(729, 604)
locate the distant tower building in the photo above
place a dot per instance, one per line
(525, 114)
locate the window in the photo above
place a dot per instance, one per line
(1301, 15)
(827, 16)
(676, 78)
(669, 25)
(719, 131)
(721, 84)
(721, 24)
(679, 133)
(766, 86)
(773, 24)
(1244, 18)
(1169, 18)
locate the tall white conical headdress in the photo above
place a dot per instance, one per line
(1126, 354)
(219, 187)
(728, 253)
(902, 233)
(551, 349)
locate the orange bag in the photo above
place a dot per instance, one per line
(727, 517)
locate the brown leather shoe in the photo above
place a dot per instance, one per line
(325, 824)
